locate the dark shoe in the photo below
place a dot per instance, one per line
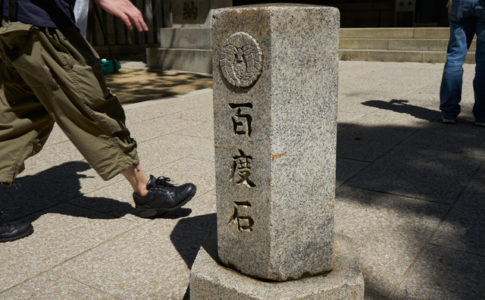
(447, 121)
(162, 197)
(11, 232)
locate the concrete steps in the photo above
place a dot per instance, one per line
(189, 48)
(397, 44)
(397, 33)
(183, 49)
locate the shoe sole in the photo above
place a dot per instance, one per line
(26, 233)
(446, 121)
(154, 212)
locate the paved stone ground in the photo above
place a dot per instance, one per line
(410, 193)
(134, 83)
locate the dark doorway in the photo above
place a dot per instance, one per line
(353, 13)
(431, 13)
(378, 13)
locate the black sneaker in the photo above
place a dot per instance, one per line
(162, 197)
(14, 231)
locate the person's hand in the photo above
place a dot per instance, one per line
(126, 11)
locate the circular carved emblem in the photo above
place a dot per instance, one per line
(241, 60)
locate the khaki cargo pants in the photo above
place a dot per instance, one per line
(49, 76)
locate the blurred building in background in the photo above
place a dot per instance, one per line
(179, 36)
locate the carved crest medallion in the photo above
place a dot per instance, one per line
(241, 60)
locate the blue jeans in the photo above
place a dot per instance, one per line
(467, 18)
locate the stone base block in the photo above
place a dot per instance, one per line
(210, 280)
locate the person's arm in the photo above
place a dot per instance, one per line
(126, 11)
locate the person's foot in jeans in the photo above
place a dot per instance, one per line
(14, 231)
(162, 197)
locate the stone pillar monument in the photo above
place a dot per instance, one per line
(275, 71)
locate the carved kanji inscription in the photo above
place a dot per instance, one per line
(242, 121)
(241, 217)
(241, 169)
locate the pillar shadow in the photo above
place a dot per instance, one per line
(189, 233)
(188, 236)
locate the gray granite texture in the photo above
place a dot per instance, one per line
(210, 280)
(275, 106)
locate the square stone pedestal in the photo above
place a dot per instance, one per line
(210, 280)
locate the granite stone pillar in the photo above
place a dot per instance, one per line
(275, 71)
(275, 107)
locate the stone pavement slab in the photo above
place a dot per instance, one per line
(464, 227)
(202, 130)
(48, 286)
(359, 141)
(158, 108)
(389, 231)
(160, 126)
(61, 233)
(346, 168)
(463, 138)
(437, 176)
(199, 148)
(140, 271)
(152, 261)
(135, 85)
(444, 273)
(201, 113)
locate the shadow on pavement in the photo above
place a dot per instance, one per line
(188, 236)
(439, 171)
(47, 192)
(402, 106)
(189, 233)
(133, 86)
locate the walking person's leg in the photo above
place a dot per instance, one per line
(152, 196)
(479, 81)
(24, 128)
(24, 123)
(64, 75)
(461, 36)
